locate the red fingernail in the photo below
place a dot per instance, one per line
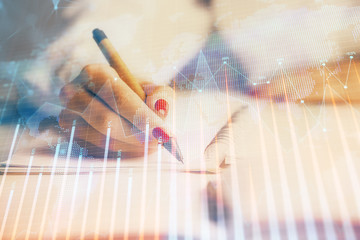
(161, 104)
(159, 132)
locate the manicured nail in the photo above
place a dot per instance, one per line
(159, 132)
(161, 104)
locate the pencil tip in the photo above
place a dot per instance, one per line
(179, 158)
(174, 149)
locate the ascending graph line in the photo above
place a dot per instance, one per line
(23, 192)
(33, 206)
(173, 204)
(331, 73)
(173, 184)
(353, 114)
(13, 142)
(255, 225)
(9, 157)
(6, 213)
(144, 180)
(348, 158)
(356, 71)
(143, 191)
(47, 201)
(222, 213)
(304, 104)
(288, 78)
(344, 100)
(289, 215)
(115, 197)
(201, 55)
(347, 75)
(188, 199)
(158, 193)
(72, 205)
(102, 186)
(308, 213)
(323, 109)
(326, 216)
(272, 215)
(238, 224)
(64, 180)
(213, 76)
(144, 175)
(87, 200)
(128, 206)
(347, 227)
(204, 203)
(9, 92)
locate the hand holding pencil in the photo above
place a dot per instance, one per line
(104, 95)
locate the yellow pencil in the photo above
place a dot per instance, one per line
(117, 63)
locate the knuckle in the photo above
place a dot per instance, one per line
(97, 72)
(92, 69)
(66, 92)
(89, 69)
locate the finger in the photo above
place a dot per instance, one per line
(159, 98)
(100, 118)
(94, 76)
(119, 96)
(88, 137)
(68, 91)
(104, 82)
(79, 100)
(131, 107)
(91, 78)
(98, 152)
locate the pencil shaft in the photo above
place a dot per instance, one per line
(120, 67)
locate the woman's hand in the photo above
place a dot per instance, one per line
(100, 101)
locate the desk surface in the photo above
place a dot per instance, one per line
(295, 173)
